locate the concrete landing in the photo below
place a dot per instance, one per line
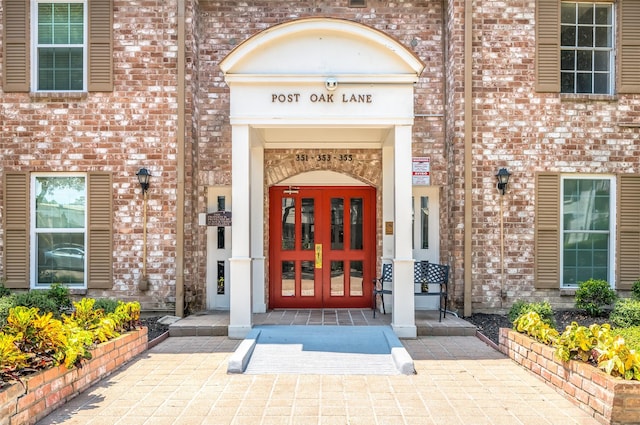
(321, 350)
(216, 323)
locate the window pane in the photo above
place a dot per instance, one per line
(60, 202)
(221, 284)
(585, 37)
(585, 13)
(308, 224)
(60, 69)
(45, 34)
(583, 83)
(76, 13)
(221, 230)
(61, 34)
(424, 222)
(61, 13)
(603, 14)
(355, 279)
(288, 284)
(288, 223)
(584, 60)
(568, 13)
(337, 278)
(567, 81)
(76, 35)
(337, 223)
(568, 60)
(601, 83)
(601, 61)
(307, 288)
(603, 37)
(356, 223)
(60, 258)
(60, 205)
(586, 204)
(568, 36)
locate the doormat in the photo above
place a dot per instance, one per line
(321, 350)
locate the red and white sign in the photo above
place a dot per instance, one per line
(421, 171)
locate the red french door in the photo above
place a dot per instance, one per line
(322, 247)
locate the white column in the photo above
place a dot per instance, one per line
(388, 211)
(403, 320)
(240, 320)
(257, 228)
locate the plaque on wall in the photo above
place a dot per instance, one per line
(219, 218)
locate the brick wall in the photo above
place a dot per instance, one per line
(513, 127)
(610, 400)
(219, 27)
(43, 392)
(132, 127)
(527, 132)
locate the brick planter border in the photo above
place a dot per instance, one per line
(43, 392)
(610, 400)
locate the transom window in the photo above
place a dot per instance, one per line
(60, 51)
(587, 54)
(587, 214)
(58, 229)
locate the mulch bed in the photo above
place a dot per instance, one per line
(155, 329)
(489, 324)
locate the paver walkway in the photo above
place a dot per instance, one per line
(183, 381)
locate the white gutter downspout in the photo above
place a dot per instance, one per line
(180, 135)
(468, 157)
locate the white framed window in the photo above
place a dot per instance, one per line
(59, 53)
(587, 47)
(587, 226)
(58, 229)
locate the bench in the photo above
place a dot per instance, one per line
(425, 274)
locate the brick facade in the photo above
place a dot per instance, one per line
(136, 125)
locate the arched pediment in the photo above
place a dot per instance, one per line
(322, 46)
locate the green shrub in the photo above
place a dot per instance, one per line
(626, 313)
(38, 299)
(531, 324)
(631, 336)
(4, 291)
(593, 295)
(87, 318)
(543, 309)
(60, 294)
(54, 300)
(635, 290)
(6, 303)
(106, 304)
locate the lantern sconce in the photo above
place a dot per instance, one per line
(143, 178)
(503, 180)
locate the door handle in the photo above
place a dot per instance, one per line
(318, 256)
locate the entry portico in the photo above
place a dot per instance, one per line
(319, 83)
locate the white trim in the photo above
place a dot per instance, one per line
(293, 29)
(33, 234)
(344, 80)
(34, 45)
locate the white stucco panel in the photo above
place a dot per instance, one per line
(321, 46)
(313, 103)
